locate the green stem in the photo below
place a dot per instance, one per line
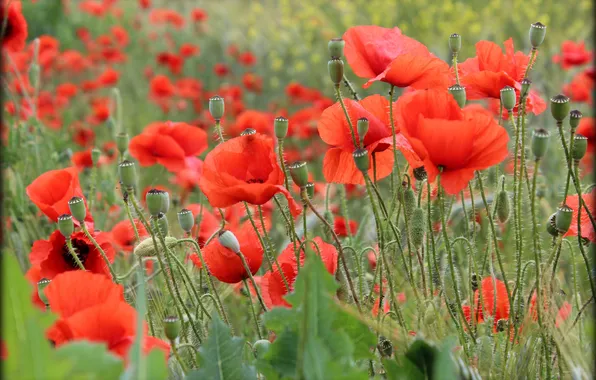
(175, 350)
(219, 131)
(349, 86)
(74, 255)
(252, 280)
(252, 308)
(343, 107)
(101, 251)
(579, 237)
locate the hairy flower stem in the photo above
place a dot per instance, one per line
(350, 88)
(343, 107)
(178, 358)
(271, 257)
(290, 219)
(454, 61)
(73, 253)
(219, 131)
(394, 140)
(101, 251)
(252, 308)
(579, 236)
(252, 280)
(343, 205)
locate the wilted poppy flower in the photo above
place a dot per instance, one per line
(244, 169)
(168, 143)
(587, 230)
(52, 190)
(432, 120)
(341, 227)
(15, 32)
(572, 54)
(338, 164)
(387, 55)
(489, 302)
(273, 287)
(123, 234)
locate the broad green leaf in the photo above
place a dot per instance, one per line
(445, 366)
(406, 370)
(90, 361)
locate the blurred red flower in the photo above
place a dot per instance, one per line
(262, 122)
(488, 302)
(123, 235)
(14, 34)
(581, 87)
(587, 230)
(573, 54)
(340, 227)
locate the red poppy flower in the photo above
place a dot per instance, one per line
(587, 230)
(189, 50)
(15, 32)
(198, 15)
(262, 122)
(238, 288)
(432, 120)
(273, 287)
(221, 69)
(123, 235)
(83, 160)
(161, 87)
(52, 190)
(244, 169)
(572, 54)
(108, 78)
(53, 258)
(387, 55)
(489, 302)
(67, 90)
(587, 128)
(340, 227)
(338, 164)
(581, 87)
(188, 178)
(252, 82)
(247, 59)
(562, 314)
(168, 143)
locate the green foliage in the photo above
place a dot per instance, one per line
(90, 361)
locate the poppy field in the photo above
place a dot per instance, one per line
(297, 190)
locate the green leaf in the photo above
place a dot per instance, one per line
(445, 367)
(220, 357)
(91, 361)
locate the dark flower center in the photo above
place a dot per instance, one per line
(81, 249)
(255, 180)
(7, 30)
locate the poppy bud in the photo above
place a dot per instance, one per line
(551, 226)
(455, 43)
(429, 315)
(41, 287)
(559, 107)
(216, 107)
(409, 202)
(574, 118)
(280, 125)
(65, 225)
(171, 327)
(420, 173)
(417, 227)
(248, 132)
(154, 201)
(95, 156)
(299, 173)
(228, 239)
(508, 97)
(474, 281)
(537, 33)
(162, 223)
(503, 206)
(362, 128)
(76, 205)
(361, 159)
(563, 218)
(502, 325)
(525, 87)
(310, 190)
(336, 47)
(459, 94)
(336, 71)
(385, 347)
(128, 174)
(580, 146)
(540, 142)
(146, 248)
(122, 142)
(260, 348)
(186, 220)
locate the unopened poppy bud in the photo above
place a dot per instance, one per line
(409, 202)
(171, 327)
(216, 107)
(41, 287)
(559, 107)
(361, 159)
(563, 218)
(420, 173)
(459, 94)
(385, 347)
(162, 223)
(508, 97)
(186, 220)
(228, 239)
(580, 146)
(310, 190)
(474, 281)
(362, 128)
(540, 138)
(575, 117)
(336, 71)
(154, 201)
(430, 315)
(525, 87)
(260, 348)
(503, 206)
(537, 33)
(248, 132)
(455, 43)
(551, 227)
(146, 248)
(299, 173)
(336, 47)
(128, 174)
(76, 205)
(95, 156)
(417, 227)
(65, 225)
(280, 125)
(122, 140)
(502, 325)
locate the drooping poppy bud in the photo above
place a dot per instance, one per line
(336, 47)
(76, 205)
(559, 107)
(154, 201)
(459, 94)
(216, 107)
(417, 227)
(260, 348)
(525, 87)
(508, 98)
(171, 327)
(455, 43)
(540, 142)
(186, 220)
(65, 225)
(551, 226)
(575, 117)
(361, 160)
(122, 140)
(161, 222)
(146, 248)
(280, 125)
(41, 287)
(563, 218)
(362, 127)
(310, 190)
(537, 33)
(385, 347)
(503, 206)
(228, 240)
(580, 147)
(336, 71)
(299, 173)
(128, 174)
(420, 173)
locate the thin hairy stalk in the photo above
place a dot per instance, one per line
(350, 88)
(178, 359)
(101, 251)
(343, 107)
(74, 255)
(579, 235)
(190, 283)
(271, 257)
(252, 279)
(219, 131)
(252, 308)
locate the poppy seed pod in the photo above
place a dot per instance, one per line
(361, 160)
(336, 71)
(310, 190)
(146, 248)
(154, 201)
(459, 94)
(525, 87)
(41, 287)
(362, 128)
(280, 125)
(474, 281)
(551, 226)
(420, 173)
(216, 107)
(336, 47)
(385, 347)
(260, 348)
(430, 316)
(537, 33)
(455, 43)
(161, 222)
(171, 327)
(122, 140)
(409, 202)
(95, 156)
(76, 205)
(502, 325)
(186, 220)
(540, 138)
(228, 240)
(503, 206)
(128, 174)
(65, 225)
(417, 227)
(563, 218)
(580, 147)
(559, 107)
(248, 132)
(299, 173)
(508, 98)
(574, 118)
